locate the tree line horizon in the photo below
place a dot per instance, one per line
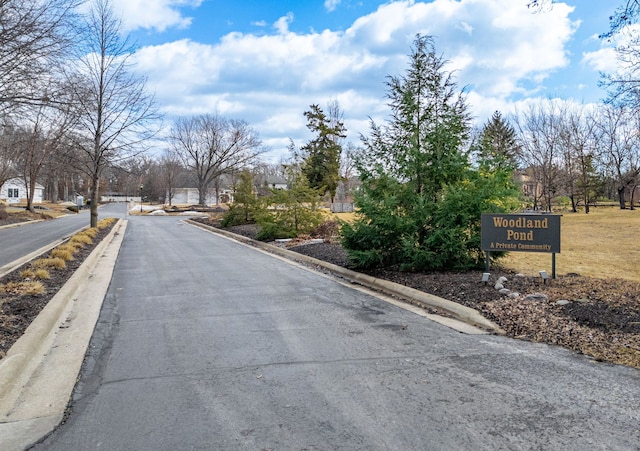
(75, 114)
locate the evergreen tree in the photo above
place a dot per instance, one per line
(246, 205)
(420, 201)
(499, 143)
(322, 162)
(292, 211)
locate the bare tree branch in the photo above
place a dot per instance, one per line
(117, 116)
(210, 146)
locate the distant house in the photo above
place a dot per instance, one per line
(14, 191)
(189, 196)
(274, 182)
(265, 184)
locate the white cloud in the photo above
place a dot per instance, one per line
(607, 60)
(154, 14)
(603, 60)
(282, 24)
(498, 48)
(331, 5)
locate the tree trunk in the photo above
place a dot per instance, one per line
(621, 200)
(586, 203)
(95, 180)
(54, 193)
(30, 186)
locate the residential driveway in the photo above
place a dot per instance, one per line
(207, 344)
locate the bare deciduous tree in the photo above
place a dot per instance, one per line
(117, 115)
(620, 143)
(170, 168)
(8, 153)
(540, 130)
(580, 156)
(42, 137)
(33, 36)
(210, 146)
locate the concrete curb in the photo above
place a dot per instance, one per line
(39, 372)
(9, 267)
(18, 224)
(411, 295)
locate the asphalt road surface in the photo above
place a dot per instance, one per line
(20, 241)
(207, 344)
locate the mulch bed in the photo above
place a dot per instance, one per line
(17, 312)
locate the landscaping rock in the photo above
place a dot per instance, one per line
(536, 297)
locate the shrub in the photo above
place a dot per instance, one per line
(236, 215)
(64, 254)
(326, 230)
(22, 288)
(81, 238)
(273, 230)
(295, 211)
(55, 263)
(72, 208)
(104, 223)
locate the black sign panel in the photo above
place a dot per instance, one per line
(521, 232)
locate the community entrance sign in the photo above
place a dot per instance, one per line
(527, 232)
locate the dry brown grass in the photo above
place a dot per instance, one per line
(26, 288)
(91, 232)
(80, 238)
(52, 211)
(65, 254)
(106, 222)
(72, 248)
(346, 217)
(49, 263)
(602, 244)
(35, 274)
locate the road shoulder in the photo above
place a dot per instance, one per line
(39, 372)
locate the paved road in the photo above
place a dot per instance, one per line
(20, 241)
(206, 344)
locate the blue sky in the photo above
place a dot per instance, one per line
(266, 61)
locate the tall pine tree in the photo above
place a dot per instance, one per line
(322, 154)
(420, 202)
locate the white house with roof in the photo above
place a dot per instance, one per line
(14, 191)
